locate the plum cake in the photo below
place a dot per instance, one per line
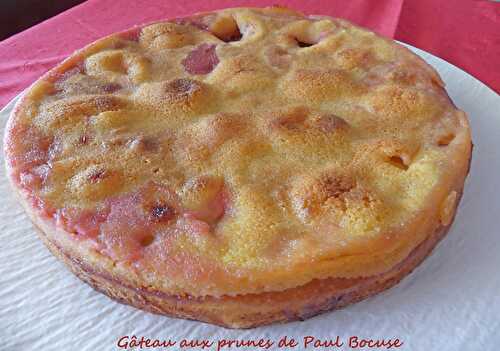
(240, 167)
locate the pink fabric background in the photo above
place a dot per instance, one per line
(463, 32)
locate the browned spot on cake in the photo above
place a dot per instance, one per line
(177, 98)
(334, 186)
(311, 195)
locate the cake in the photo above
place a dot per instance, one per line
(240, 167)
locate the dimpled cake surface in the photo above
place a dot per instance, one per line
(240, 151)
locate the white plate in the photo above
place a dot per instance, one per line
(451, 302)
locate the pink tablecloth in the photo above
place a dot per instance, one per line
(463, 32)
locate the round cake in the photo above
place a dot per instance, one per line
(240, 167)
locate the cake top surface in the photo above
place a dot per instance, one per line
(241, 150)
